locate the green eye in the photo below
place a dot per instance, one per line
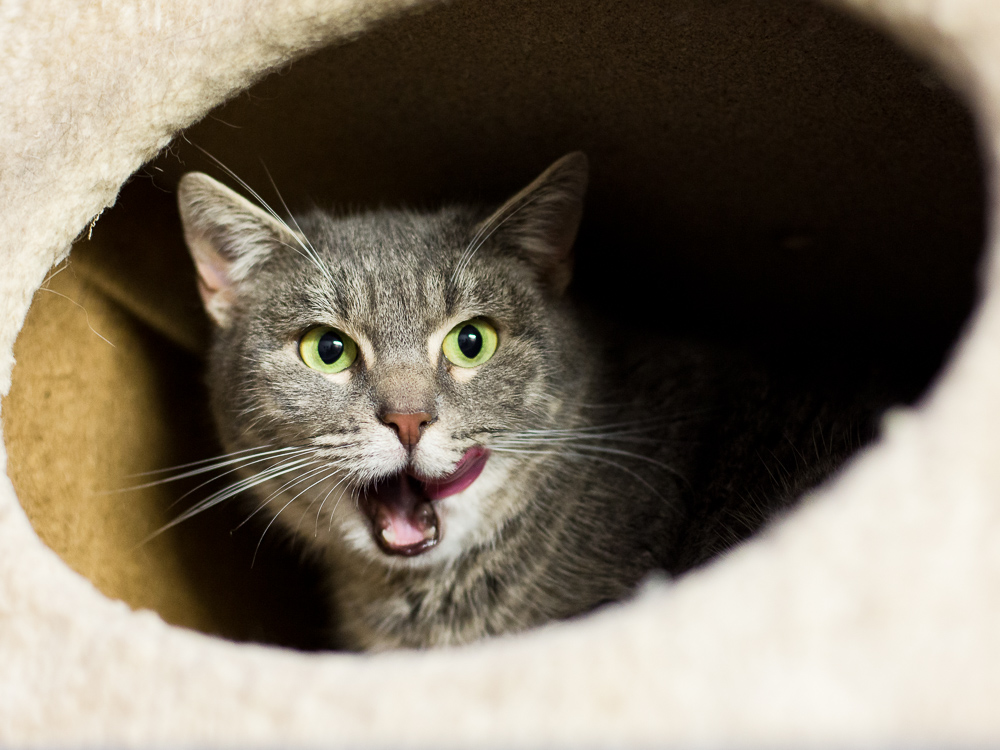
(471, 343)
(327, 350)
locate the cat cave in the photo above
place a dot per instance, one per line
(813, 180)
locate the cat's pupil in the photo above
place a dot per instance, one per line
(470, 341)
(330, 347)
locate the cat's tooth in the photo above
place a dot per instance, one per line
(389, 535)
(429, 533)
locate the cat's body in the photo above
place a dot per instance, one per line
(454, 497)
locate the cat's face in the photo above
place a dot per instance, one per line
(383, 355)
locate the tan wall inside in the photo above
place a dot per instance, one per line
(98, 397)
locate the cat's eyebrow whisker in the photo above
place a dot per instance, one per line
(310, 251)
(309, 257)
(472, 243)
(466, 258)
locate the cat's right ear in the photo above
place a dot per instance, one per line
(227, 236)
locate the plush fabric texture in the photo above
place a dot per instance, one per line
(870, 615)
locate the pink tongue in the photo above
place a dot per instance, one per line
(402, 518)
(465, 473)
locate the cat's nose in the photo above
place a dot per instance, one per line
(408, 426)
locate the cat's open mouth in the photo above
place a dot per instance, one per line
(401, 507)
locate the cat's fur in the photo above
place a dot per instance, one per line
(611, 455)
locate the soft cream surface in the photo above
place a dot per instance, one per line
(870, 615)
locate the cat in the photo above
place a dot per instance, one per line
(416, 399)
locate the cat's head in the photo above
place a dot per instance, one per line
(379, 368)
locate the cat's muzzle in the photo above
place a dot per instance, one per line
(402, 507)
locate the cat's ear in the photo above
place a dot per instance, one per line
(227, 236)
(542, 220)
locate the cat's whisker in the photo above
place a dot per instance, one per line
(646, 424)
(243, 462)
(247, 483)
(589, 457)
(282, 509)
(217, 477)
(623, 436)
(287, 485)
(628, 454)
(221, 457)
(319, 511)
(628, 437)
(471, 251)
(300, 234)
(322, 442)
(355, 496)
(576, 444)
(308, 251)
(86, 314)
(226, 493)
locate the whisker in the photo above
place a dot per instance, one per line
(315, 255)
(352, 491)
(645, 424)
(290, 483)
(319, 510)
(222, 457)
(622, 436)
(271, 523)
(226, 493)
(309, 253)
(466, 257)
(587, 457)
(244, 484)
(214, 467)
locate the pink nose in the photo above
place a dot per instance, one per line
(408, 426)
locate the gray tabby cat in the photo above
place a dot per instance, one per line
(414, 397)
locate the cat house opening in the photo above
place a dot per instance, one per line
(771, 175)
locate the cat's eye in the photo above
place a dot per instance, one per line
(327, 350)
(470, 343)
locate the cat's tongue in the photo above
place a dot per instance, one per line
(404, 521)
(465, 473)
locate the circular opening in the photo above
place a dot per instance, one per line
(770, 176)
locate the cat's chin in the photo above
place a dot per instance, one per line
(401, 507)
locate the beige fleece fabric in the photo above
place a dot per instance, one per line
(870, 615)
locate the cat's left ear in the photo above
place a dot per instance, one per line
(542, 220)
(227, 236)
